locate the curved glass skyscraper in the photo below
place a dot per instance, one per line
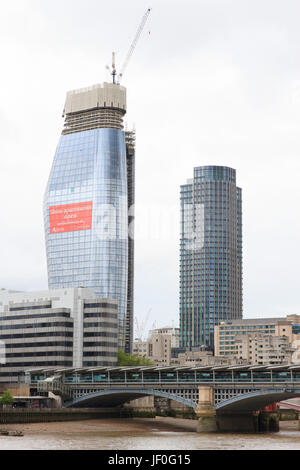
(210, 254)
(86, 204)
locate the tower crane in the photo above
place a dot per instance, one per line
(140, 327)
(118, 77)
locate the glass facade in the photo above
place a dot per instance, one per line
(86, 216)
(210, 254)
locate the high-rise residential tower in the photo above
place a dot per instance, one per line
(87, 205)
(210, 254)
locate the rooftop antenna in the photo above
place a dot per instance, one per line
(114, 70)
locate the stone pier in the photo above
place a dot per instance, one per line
(268, 421)
(238, 421)
(248, 421)
(205, 411)
(226, 421)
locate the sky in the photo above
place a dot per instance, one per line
(211, 82)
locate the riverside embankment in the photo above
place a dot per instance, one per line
(15, 416)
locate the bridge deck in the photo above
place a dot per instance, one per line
(288, 374)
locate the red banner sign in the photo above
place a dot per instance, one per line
(71, 217)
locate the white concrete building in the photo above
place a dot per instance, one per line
(57, 328)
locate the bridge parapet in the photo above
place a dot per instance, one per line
(239, 375)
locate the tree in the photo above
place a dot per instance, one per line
(132, 360)
(6, 399)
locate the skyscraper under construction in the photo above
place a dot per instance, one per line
(88, 201)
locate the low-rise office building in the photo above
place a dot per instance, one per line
(171, 331)
(158, 346)
(264, 349)
(157, 349)
(235, 337)
(59, 328)
(204, 358)
(141, 348)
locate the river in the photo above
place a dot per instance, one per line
(142, 434)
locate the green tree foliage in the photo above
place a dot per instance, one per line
(129, 360)
(6, 399)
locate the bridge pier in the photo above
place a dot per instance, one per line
(238, 421)
(248, 421)
(269, 418)
(206, 414)
(210, 420)
(268, 421)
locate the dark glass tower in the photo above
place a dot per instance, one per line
(210, 254)
(88, 199)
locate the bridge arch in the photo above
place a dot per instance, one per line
(257, 400)
(116, 397)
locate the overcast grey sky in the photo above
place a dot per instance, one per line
(211, 82)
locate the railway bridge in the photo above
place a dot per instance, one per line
(235, 398)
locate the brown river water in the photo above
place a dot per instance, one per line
(142, 434)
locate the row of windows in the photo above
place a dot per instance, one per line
(238, 329)
(42, 315)
(40, 354)
(68, 164)
(101, 334)
(100, 305)
(101, 315)
(98, 353)
(94, 344)
(38, 364)
(97, 283)
(82, 254)
(47, 344)
(66, 237)
(34, 307)
(100, 325)
(38, 325)
(49, 334)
